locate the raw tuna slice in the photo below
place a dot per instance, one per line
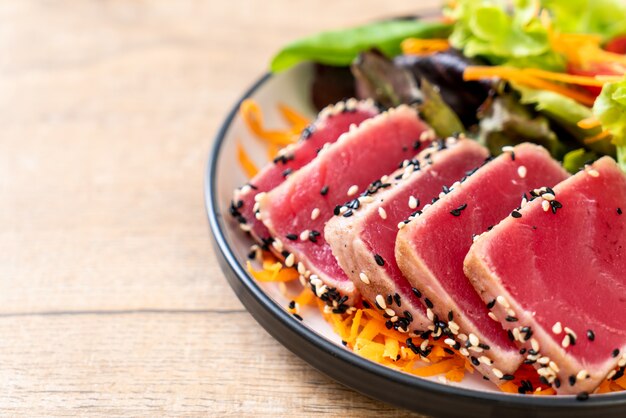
(431, 249)
(329, 125)
(356, 241)
(296, 211)
(557, 274)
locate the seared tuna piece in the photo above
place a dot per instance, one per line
(356, 241)
(431, 249)
(555, 277)
(296, 211)
(329, 125)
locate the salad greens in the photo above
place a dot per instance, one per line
(342, 46)
(600, 17)
(610, 109)
(566, 113)
(484, 28)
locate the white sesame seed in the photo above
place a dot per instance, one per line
(256, 206)
(353, 190)
(382, 213)
(245, 189)
(315, 280)
(380, 300)
(450, 342)
(545, 205)
(534, 344)
(464, 352)
(424, 345)
(412, 202)
(429, 314)
(593, 173)
(548, 196)
(401, 225)
(492, 316)
(390, 312)
(462, 337)
(290, 260)
(502, 301)
(454, 327)
(393, 318)
(258, 215)
(507, 148)
(301, 268)
(566, 341)
(510, 312)
(571, 332)
(384, 179)
(366, 199)
(277, 244)
(245, 227)
(582, 375)
(485, 360)
(473, 339)
(554, 366)
(497, 373)
(442, 379)
(611, 374)
(364, 278)
(315, 213)
(622, 362)
(304, 235)
(557, 328)
(517, 335)
(543, 360)
(259, 196)
(343, 210)
(522, 171)
(319, 291)
(476, 349)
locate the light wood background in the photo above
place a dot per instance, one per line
(111, 299)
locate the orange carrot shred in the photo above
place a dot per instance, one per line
(589, 123)
(414, 46)
(246, 162)
(599, 137)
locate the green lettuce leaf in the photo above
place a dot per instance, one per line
(610, 109)
(340, 47)
(602, 17)
(575, 160)
(486, 29)
(566, 113)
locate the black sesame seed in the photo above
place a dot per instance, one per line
(447, 350)
(554, 204)
(428, 303)
(408, 316)
(379, 260)
(397, 299)
(491, 304)
(582, 396)
(510, 318)
(417, 293)
(615, 352)
(252, 254)
(619, 374)
(388, 324)
(337, 210)
(516, 214)
(484, 346)
(389, 300)
(457, 211)
(543, 380)
(292, 304)
(450, 316)
(344, 343)
(572, 380)
(475, 361)
(510, 334)
(522, 351)
(557, 383)
(485, 378)
(347, 213)
(298, 317)
(619, 211)
(287, 172)
(508, 377)
(366, 305)
(590, 335)
(324, 191)
(416, 145)
(291, 237)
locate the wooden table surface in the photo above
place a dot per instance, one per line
(111, 299)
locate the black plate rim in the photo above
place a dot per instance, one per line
(299, 339)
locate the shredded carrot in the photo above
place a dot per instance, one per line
(253, 118)
(523, 77)
(414, 46)
(596, 138)
(589, 123)
(295, 120)
(246, 162)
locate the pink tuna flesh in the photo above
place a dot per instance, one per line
(373, 228)
(431, 249)
(332, 122)
(564, 267)
(300, 207)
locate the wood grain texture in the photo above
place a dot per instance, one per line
(111, 300)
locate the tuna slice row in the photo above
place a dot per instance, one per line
(364, 243)
(296, 211)
(329, 125)
(431, 249)
(555, 276)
